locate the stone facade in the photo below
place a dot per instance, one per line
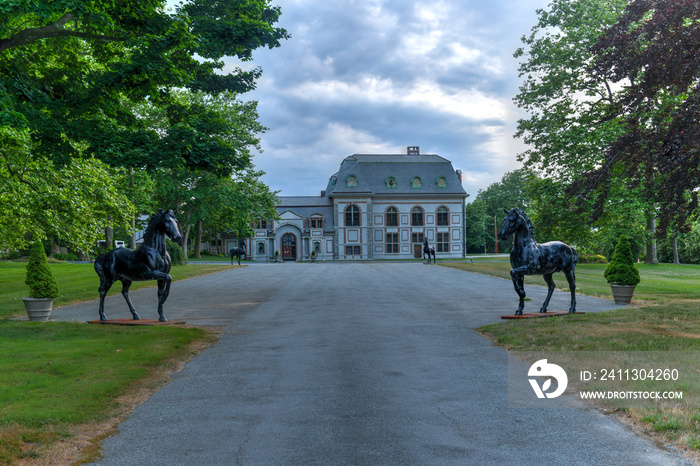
(377, 206)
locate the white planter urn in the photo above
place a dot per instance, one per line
(38, 309)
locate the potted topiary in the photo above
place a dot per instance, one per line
(42, 285)
(313, 256)
(621, 273)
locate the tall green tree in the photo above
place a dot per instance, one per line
(489, 203)
(652, 53)
(72, 76)
(477, 236)
(571, 122)
(203, 197)
(69, 72)
(567, 128)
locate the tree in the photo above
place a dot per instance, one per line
(72, 202)
(565, 103)
(652, 52)
(476, 219)
(489, 204)
(571, 122)
(70, 72)
(202, 195)
(72, 75)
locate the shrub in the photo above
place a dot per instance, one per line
(621, 270)
(175, 252)
(592, 259)
(11, 255)
(65, 257)
(40, 279)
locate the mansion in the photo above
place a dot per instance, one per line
(377, 206)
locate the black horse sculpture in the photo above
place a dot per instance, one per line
(150, 261)
(429, 251)
(238, 252)
(529, 258)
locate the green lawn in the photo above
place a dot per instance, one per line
(76, 282)
(56, 376)
(663, 322)
(663, 281)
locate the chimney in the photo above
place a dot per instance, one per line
(413, 150)
(459, 175)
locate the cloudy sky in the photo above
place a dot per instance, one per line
(375, 76)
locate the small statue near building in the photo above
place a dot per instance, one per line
(238, 252)
(429, 251)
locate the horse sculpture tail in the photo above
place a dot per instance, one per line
(99, 267)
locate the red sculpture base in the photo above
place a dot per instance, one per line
(539, 314)
(134, 322)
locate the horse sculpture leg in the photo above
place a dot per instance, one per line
(103, 289)
(126, 284)
(571, 278)
(164, 281)
(519, 285)
(105, 284)
(550, 291)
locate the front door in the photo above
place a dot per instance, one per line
(418, 251)
(289, 247)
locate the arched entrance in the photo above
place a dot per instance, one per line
(289, 247)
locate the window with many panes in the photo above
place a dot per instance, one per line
(392, 217)
(417, 216)
(353, 250)
(392, 243)
(443, 216)
(261, 225)
(352, 216)
(417, 237)
(316, 222)
(443, 242)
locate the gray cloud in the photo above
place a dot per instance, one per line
(378, 75)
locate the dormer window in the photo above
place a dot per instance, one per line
(351, 181)
(391, 183)
(441, 182)
(316, 222)
(416, 183)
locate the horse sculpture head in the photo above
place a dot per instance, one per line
(515, 220)
(165, 221)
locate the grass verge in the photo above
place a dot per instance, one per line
(65, 386)
(77, 282)
(60, 380)
(663, 322)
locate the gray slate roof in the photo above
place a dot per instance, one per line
(372, 171)
(305, 206)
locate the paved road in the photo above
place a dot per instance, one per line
(337, 363)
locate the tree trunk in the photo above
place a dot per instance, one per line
(651, 257)
(55, 249)
(132, 236)
(185, 236)
(109, 235)
(676, 258)
(198, 240)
